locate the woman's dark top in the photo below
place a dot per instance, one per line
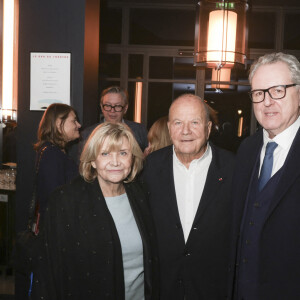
(81, 255)
(55, 169)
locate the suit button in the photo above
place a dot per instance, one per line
(187, 254)
(180, 281)
(195, 228)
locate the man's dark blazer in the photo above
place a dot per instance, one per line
(139, 131)
(279, 246)
(197, 269)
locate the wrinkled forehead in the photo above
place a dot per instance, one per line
(186, 109)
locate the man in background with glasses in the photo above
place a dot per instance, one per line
(114, 105)
(266, 192)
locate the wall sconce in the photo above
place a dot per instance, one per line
(241, 122)
(138, 102)
(220, 35)
(10, 60)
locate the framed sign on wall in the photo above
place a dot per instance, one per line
(50, 79)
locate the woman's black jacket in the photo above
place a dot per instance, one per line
(81, 252)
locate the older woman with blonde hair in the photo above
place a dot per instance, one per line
(98, 230)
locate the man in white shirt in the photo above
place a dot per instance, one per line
(189, 186)
(266, 239)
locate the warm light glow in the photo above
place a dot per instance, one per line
(239, 111)
(221, 37)
(8, 55)
(240, 127)
(138, 102)
(220, 75)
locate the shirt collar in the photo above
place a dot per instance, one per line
(286, 137)
(193, 162)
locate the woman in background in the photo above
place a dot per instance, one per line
(58, 127)
(158, 136)
(98, 229)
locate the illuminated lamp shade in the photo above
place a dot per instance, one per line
(220, 33)
(222, 75)
(138, 102)
(221, 38)
(9, 62)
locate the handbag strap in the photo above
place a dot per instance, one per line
(33, 202)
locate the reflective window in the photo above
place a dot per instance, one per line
(160, 97)
(183, 68)
(231, 118)
(160, 67)
(110, 25)
(135, 65)
(262, 30)
(183, 88)
(291, 32)
(109, 65)
(171, 27)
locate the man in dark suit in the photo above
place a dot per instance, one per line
(114, 105)
(266, 238)
(189, 184)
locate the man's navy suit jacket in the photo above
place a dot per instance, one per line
(279, 243)
(197, 269)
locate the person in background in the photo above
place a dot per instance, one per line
(58, 127)
(114, 105)
(158, 136)
(266, 241)
(189, 186)
(98, 230)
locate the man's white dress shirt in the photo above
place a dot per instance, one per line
(189, 185)
(284, 141)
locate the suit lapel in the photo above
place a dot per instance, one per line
(244, 174)
(290, 172)
(168, 185)
(215, 178)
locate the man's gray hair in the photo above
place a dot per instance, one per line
(272, 58)
(115, 90)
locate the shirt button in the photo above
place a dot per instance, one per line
(251, 223)
(245, 260)
(247, 242)
(256, 204)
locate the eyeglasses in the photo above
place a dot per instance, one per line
(117, 108)
(275, 92)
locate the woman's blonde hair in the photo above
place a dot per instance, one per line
(158, 135)
(114, 134)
